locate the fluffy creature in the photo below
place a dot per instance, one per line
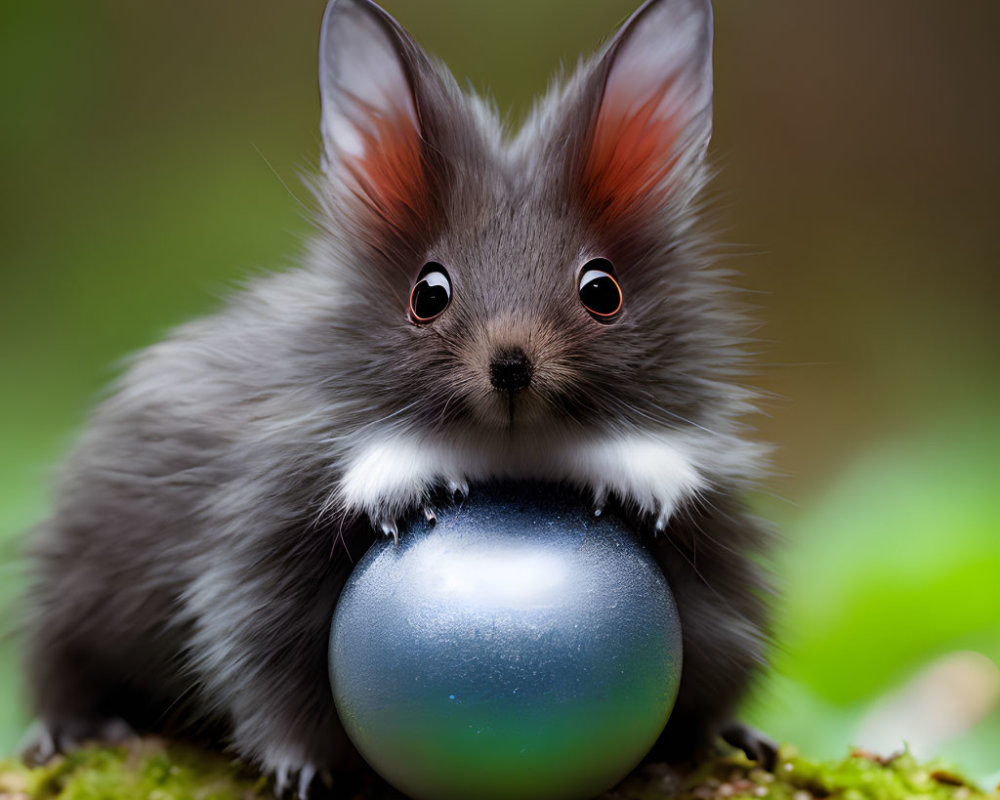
(474, 305)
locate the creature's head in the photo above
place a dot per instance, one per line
(511, 284)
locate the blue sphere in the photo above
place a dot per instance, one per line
(521, 648)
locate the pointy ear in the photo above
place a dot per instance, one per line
(374, 148)
(649, 116)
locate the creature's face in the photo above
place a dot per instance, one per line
(517, 286)
(514, 342)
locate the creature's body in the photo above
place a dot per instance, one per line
(206, 522)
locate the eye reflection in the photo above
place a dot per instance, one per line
(599, 290)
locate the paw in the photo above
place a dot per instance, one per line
(650, 475)
(755, 744)
(445, 491)
(300, 782)
(386, 479)
(307, 782)
(653, 510)
(46, 739)
(661, 516)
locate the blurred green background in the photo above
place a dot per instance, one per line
(149, 155)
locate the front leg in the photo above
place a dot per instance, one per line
(386, 480)
(650, 475)
(705, 542)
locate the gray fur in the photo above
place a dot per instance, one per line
(201, 531)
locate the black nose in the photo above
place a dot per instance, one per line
(510, 370)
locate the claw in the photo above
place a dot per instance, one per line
(600, 500)
(459, 490)
(663, 518)
(306, 776)
(389, 529)
(755, 744)
(429, 515)
(282, 781)
(298, 783)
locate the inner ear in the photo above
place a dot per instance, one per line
(647, 115)
(374, 142)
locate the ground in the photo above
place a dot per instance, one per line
(151, 769)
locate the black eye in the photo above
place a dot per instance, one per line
(599, 290)
(431, 294)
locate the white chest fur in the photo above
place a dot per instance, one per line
(386, 476)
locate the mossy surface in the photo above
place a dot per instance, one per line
(154, 770)
(860, 776)
(147, 769)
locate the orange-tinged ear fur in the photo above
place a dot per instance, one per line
(630, 155)
(375, 154)
(390, 177)
(650, 119)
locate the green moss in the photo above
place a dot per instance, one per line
(860, 776)
(144, 770)
(154, 770)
